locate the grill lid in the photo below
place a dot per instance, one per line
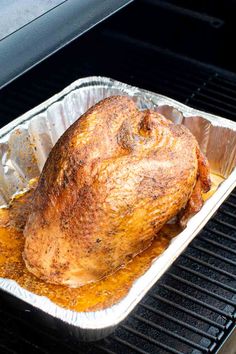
(29, 34)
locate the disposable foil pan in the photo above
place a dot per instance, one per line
(26, 142)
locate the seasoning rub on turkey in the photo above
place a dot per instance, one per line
(113, 179)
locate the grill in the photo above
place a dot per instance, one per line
(191, 309)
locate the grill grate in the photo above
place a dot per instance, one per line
(192, 308)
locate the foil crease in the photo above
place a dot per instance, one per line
(26, 142)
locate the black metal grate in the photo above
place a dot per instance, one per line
(192, 308)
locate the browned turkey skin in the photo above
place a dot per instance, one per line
(113, 179)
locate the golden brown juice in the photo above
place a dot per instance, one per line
(90, 297)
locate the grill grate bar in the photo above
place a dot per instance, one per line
(214, 106)
(206, 291)
(174, 85)
(151, 340)
(188, 78)
(228, 82)
(213, 99)
(184, 324)
(104, 349)
(220, 233)
(230, 204)
(49, 336)
(24, 340)
(189, 312)
(186, 87)
(171, 334)
(233, 194)
(6, 350)
(225, 223)
(159, 71)
(222, 271)
(228, 213)
(184, 79)
(220, 87)
(197, 301)
(215, 243)
(182, 83)
(129, 345)
(216, 255)
(215, 92)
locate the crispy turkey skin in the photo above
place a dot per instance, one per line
(112, 180)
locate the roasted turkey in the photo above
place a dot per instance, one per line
(112, 180)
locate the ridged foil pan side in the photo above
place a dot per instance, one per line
(26, 142)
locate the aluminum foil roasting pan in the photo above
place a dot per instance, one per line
(26, 142)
